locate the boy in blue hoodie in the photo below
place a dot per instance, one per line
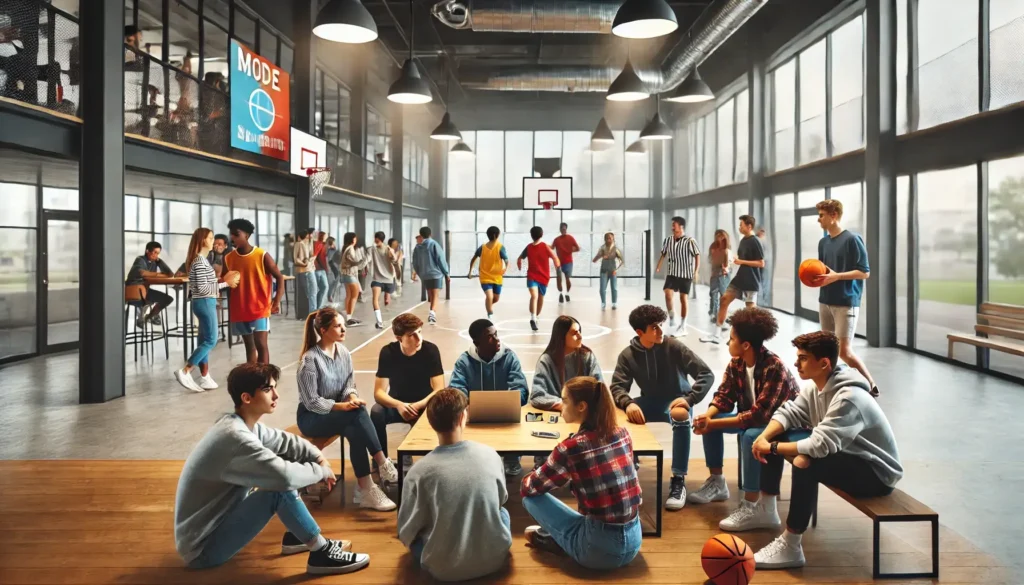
(429, 263)
(486, 365)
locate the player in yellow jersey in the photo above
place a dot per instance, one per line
(493, 264)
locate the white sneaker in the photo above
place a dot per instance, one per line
(780, 554)
(206, 383)
(713, 338)
(388, 472)
(681, 332)
(750, 516)
(713, 490)
(185, 379)
(676, 494)
(374, 498)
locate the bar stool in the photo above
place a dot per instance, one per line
(135, 297)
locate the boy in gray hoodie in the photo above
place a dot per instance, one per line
(242, 473)
(850, 444)
(660, 367)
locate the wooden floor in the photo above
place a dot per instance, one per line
(93, 522)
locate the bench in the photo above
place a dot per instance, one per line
(996, 320)
(318, 492)
(896, 507)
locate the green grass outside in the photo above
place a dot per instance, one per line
(962, 292)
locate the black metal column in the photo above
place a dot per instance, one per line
(303, 71)
(101, 298)
(880, 171)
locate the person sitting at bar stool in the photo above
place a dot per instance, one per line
(149, 265)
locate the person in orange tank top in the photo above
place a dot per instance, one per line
(250, 304)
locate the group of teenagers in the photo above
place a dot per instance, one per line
(454, 523)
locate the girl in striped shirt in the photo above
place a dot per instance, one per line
(329, 405)
(203, 287)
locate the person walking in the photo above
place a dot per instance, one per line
(305, 280)
(203, 287)
(719, 256)
(351, 263)
(611, 261)
(320, 270)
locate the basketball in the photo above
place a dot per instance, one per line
(809, 269)
(727, 560)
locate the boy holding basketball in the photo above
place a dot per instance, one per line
(747, 282)
(538, 275)
(846, 258)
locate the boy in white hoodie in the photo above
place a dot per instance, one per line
(850, 445)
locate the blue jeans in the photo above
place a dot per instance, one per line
(248, 518)
(206, 311)
(656, 410)
(321, 289)
(416, 548)
(714, 452)
(607, 277)
(354, 425)
(587, 540)
(305, 289)
(718, 285)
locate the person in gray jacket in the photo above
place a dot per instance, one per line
(660, 366)
(452, 517)
(429, 263)
(242, 473)
(564, 359)
(850, 444)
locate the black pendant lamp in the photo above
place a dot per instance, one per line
(656, 129)
(644, 19)
(345, 21)
(627, 87)
(446, 130)
(462, 150)
(410, 87)
(692, 90)
(602, 134)
(638, 147)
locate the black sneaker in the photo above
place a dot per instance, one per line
(291, 545)
(539, 539)
(156, 320)
(332, 560)
(379, 325)
(874, 391)
(676, 494)
(561, 298)
(567, 298)
(533, 325)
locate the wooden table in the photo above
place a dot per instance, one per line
(178, 283)
(515, 439)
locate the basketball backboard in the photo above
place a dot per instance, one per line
(307, 152)
(547, 193)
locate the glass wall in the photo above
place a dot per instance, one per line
(18, 258)
(378, 137)
(415, 162)
(504, 158)
(332, 110)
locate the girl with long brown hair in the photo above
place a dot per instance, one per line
(597, 462)
(719, 255)
(203, 287)
(329, 405)
(351, 263)
(564, 358)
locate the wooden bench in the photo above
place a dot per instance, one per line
(896, 507)
(318, 492)
(996, 320)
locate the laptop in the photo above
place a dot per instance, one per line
(494, 406)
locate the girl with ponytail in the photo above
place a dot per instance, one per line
(329, 405)
(597, 462)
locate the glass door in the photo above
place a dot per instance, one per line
(59, 274)
(808, 235)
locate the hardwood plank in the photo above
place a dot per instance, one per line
(999, 331)
(898, 503)
(1000, 321)
(1002, 308)
(1004, 346)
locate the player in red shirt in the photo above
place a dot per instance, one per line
(538, 275)
(565, 245)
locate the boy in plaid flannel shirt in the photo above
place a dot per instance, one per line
(756, 383)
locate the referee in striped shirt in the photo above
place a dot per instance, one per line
(683, 262)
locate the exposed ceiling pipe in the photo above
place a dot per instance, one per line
(713, 28)
(530, 16)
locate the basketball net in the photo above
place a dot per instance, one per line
(318, 179)
(547, 205)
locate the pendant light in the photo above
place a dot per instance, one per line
(345, 21)
(644, 19)
(446, 130)
(461, 150)
(410, 87)
(656, 129)
(627, 87)
(692, 90)
(638, 147)
(602, 134)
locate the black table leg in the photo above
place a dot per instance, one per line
(657, 503)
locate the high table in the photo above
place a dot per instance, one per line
(184, 328)
(515, 439)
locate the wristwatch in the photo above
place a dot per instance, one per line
(775, 447)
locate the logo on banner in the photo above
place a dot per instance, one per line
(260, 95)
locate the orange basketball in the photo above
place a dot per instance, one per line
(727, 560)
(809, 269)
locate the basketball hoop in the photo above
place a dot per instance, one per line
(547, 205)
(318, 179)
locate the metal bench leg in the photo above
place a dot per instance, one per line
(935, 548)
(875, 554)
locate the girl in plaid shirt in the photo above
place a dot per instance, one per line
(598, 463)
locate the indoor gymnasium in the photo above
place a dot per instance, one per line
(510, 291)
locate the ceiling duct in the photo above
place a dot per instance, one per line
(719, 22)
(529, 16)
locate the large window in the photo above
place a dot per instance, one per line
(1005, 261)
(812, 103)
(462, 172)
(378, 137)
(783, 285)
(490, 155)
(1006, 29)
(742, 135)
(784, 115)
(848, 87)
(18, 258)
(947, 71)
(519, 162)
(726, 142)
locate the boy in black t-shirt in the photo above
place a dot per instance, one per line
(409, 372)
(746, 283)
